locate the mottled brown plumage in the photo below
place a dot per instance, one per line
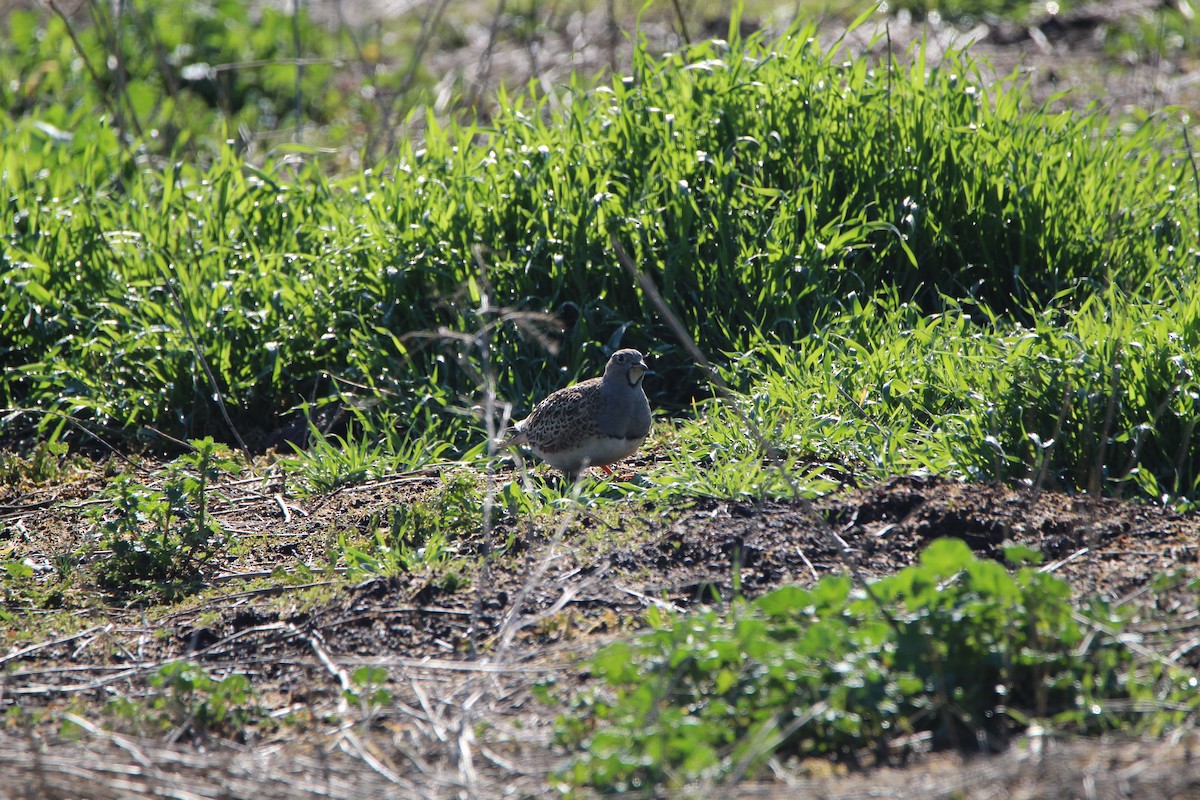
(591, 424)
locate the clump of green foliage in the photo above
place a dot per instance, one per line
(159, 539)
(759, 183)
(957, 647)
(188, 701)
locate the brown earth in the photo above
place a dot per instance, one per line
(461, 663)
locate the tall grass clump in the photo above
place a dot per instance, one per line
(760, 184)
(121, 299)
(1103, 397)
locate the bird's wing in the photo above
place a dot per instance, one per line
(559, 421)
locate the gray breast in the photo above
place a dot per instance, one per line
(639, 419)
(625, 412)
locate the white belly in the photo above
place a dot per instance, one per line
(596, 453)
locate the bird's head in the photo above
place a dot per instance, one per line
(627, 364)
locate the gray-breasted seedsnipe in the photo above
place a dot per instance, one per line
(591, 424)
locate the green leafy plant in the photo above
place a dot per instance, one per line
(370, 693)
(188, 701)
(160, 538)
(959, 648)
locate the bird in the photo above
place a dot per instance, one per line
(594, 423)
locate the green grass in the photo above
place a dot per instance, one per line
(374, 445)
(1101, 397)
(433, 537)
(772, 190)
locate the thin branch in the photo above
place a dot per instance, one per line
(1045, 453)
(484, 68)
(682, 19)
(317, 643)
(298, 99)
(1187, 141)
(1095, 477)
(113, 109)
(432, 17)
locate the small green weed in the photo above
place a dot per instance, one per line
(370, 693)
(160, 538)
(964, 648)
(188, 701)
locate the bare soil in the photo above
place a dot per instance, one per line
(462, 662)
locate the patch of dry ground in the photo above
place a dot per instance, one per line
(461, 664)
